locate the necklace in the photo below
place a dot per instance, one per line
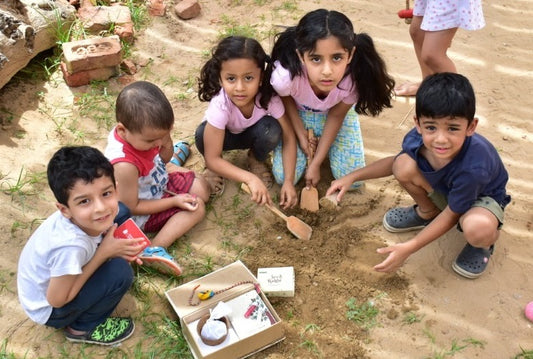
(206, 294)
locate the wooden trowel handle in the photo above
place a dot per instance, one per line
(310, 135)
(276, 211)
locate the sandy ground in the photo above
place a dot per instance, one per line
(484, 315)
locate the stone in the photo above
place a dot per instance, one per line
(99, 18)
(187, 9)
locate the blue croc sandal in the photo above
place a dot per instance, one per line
(182, 150)
(159, 259)
(404, 219)
(472, 261)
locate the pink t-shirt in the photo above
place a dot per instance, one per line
(223, 114)
(300, 90)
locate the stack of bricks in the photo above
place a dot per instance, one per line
(92, 59)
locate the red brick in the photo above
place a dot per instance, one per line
(85, 77)
(157, 7)
(92, 53)
(187, 9)
(98, 18)
(125, 32)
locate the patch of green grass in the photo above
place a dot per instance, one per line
(524, 354)
(289, 5)
(167, 339)
(363, 314)
(456, 347)
(4, 354)
(98, 103)
(235, 28)
(311, 346)
(411, 318)
(22, 186)
(311, 328)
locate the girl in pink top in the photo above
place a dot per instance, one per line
(432, 30)
(326, 75)
(244, 113)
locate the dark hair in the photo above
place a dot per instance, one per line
(142, 104)
(73, 163)
(367, 69)
(446, 94)
(235, 47)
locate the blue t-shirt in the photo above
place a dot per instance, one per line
(476, 171)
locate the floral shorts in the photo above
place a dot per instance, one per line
(345, 154)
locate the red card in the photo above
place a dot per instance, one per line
(129, 229)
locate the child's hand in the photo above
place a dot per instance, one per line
(120, 247)
(398, 253)
(186, 201)
(259, 191)
(341, 185)
(288, 196)
(312, 175)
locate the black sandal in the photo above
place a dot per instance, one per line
(472, 261)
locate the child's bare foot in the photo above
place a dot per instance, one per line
(217, 183)
(407, 89)
(261, 170)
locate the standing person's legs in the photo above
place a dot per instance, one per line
(417, 36)
(97, 299)
(433, 56)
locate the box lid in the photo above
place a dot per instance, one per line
(235, 274)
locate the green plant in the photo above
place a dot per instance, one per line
(234, 28)
(411, 318)
(456, 347)
(310, 346)
(311, 328)
(23, 181)
(363, 314)
(524, 354)
(139, 13)
(98, 104)
(4, 354)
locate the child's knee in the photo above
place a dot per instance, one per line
(404, 168)
(479, 230)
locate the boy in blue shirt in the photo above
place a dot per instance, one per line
(73, 272)
(454, 175)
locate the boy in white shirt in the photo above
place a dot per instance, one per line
(73, 272)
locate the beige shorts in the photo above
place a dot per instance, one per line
(486, 202)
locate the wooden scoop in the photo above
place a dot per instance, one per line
(309, 196)
(295, 225)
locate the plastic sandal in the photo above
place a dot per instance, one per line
(472, 261)
(403, 219)
(111, 332)
(159, 259)
(182, 150)
(261, 170)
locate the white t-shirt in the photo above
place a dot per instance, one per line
(300, 90)
(223, 114)
(57, 248)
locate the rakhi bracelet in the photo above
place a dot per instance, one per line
(206, 294)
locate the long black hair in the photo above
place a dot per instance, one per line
(235, 47)
(367, 69)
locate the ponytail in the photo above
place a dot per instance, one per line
(369, 73)
(284, 51)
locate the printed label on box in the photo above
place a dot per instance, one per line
(278, 281)
(129, 229)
